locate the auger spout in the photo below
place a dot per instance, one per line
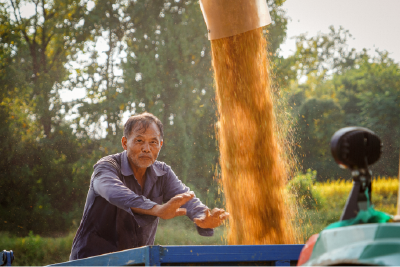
(226, 18)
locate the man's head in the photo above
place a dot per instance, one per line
(142, 122)
(143, 139)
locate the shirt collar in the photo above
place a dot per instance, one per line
(126, 169)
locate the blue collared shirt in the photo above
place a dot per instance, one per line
(108, 223)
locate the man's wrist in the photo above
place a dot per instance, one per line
(154, 211)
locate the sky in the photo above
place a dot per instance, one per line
(373, 23)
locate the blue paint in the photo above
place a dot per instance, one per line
(279, 255)
(7, 257)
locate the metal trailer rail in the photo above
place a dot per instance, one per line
(6, 258)
(272, 255)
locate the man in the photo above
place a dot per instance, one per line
(127, 192)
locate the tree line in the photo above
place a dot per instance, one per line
(157, 59)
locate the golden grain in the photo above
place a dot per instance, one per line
(253, 174)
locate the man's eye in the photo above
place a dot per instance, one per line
(139, 140)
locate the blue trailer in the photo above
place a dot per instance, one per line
(270, 255)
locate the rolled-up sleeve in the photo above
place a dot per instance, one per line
(106, 184)
(195, 208)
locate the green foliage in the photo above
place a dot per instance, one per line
(38, 145)
(325, 54)
(371, 96)
(318, 120)
(38, 47)
(34, 250)
(343, 88)
(302, 186)
(37, 185)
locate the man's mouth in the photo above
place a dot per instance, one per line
(145, 157)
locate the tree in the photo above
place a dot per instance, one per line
(363, 89)
(318, 120)
(325, 54)
(40, 150)
(48, 40)
(371, 98)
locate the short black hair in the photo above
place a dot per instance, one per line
(144, 120)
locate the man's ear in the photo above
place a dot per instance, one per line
(161, 143)
(123, 142)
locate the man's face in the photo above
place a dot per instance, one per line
(142, 147)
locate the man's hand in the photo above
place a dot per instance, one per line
(212, 219)
(173, 208)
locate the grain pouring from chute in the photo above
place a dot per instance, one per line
(253, 172)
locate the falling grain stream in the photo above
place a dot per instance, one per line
(253, 174)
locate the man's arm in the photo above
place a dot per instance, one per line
(106, 183)
(170, 209)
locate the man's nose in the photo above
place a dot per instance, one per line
(146, 147)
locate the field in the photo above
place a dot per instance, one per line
(321, 204)
(330, 198)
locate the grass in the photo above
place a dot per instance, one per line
(36, 250)
(182, 231)
(330, 198)
(384, 193)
